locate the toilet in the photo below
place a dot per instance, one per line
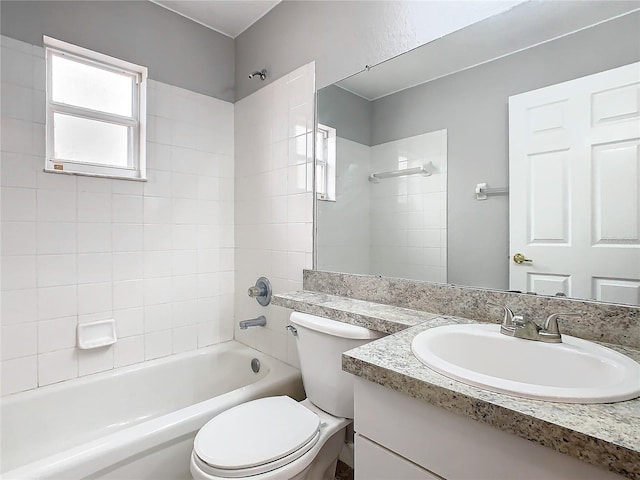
(277, 438)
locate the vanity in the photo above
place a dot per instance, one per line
(414, 423)
(407, 415)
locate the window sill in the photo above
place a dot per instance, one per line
(96, 175)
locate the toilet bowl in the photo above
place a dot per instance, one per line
(277, 438)
(274, 438)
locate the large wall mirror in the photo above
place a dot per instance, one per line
(504, 155)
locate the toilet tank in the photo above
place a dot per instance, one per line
(320, 343)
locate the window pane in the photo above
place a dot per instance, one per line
(91, 141)
(76, 83)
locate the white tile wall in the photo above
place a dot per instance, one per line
(409, 214)
(344, 225)
(155, 256)
(397, 227)
(274, 203)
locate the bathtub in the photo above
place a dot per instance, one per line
(136, 422)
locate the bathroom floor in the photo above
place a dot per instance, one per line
(344, 471)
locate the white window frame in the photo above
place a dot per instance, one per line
(137, 123)
(326, 163)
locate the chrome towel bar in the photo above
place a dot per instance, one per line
(422, 170)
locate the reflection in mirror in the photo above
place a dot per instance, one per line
(437, 122)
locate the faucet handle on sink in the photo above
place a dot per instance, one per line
(550, 330)
(507, 321)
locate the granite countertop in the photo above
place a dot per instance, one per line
(607, 435)
(374, 316)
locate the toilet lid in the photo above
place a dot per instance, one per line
(257, 433)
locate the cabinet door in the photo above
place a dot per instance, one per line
(374, 462)
(454, 446)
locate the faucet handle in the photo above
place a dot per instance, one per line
(261, 291)
(508, 314)
(256, 291)
(551, 323)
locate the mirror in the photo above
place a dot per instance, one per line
(403, 147)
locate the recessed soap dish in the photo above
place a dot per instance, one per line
(96, 334)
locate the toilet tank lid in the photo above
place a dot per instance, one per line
(333, 327)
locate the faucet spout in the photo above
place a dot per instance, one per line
(260, 321)
(507, 320)
(521, 328)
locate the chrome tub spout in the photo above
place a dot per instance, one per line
(260, 321)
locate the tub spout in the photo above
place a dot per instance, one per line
(260, 321)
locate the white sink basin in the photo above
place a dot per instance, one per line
(575, 371)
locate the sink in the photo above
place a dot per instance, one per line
(574, 371)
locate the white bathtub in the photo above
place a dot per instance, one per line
(136, 422)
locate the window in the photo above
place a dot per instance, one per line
(326, 163)
(96, 113)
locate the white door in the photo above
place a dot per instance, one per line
(574, 182)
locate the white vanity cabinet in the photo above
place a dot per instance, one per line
(401, 438)
(374, 462)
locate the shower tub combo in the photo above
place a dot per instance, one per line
(135, 422)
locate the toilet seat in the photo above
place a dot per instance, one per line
(256, 437)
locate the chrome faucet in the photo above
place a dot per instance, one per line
(517, 326)
(260, 321)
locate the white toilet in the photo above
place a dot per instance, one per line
(277, 438)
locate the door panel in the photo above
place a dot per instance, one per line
(617, 290)
(616, 181)
(616, 104)
(549, 204)
(549, 284)
(574, 176)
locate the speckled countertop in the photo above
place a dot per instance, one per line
(607, 435)
(374, 316)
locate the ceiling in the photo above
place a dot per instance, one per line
(229, 17)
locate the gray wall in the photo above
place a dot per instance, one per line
(348, 113)
(343, 36)
(294, 33)
(473, 106)
(176, 50)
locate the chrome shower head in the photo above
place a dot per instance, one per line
(262, 74)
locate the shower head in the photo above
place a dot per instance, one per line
(262, 74)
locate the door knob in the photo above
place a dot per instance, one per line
(520, 258)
